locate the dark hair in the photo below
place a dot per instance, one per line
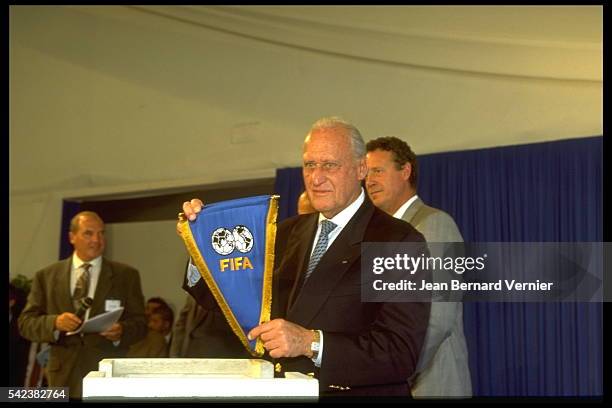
(157, 299)
(165, 312)
(402, 154)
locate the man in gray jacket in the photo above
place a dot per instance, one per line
(442, 370)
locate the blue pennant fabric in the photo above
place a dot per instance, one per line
(231, 244)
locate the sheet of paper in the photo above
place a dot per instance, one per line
(99, 323)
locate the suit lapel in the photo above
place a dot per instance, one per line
(344, 252)
(105, 283)
(412, 210)
(297, 254)
(63, 285)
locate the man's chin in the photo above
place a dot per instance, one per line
(376, 199)
(321, 207)
(94, 255)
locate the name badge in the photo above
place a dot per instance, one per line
(111, 304)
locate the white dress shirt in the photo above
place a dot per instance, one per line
(340, 219)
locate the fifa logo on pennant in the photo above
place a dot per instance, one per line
(224, 242)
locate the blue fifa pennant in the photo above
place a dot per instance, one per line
(232, 245)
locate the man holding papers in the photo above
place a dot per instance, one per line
(57, 293)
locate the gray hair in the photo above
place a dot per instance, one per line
(333, 122)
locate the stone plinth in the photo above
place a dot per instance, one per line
(188, 379)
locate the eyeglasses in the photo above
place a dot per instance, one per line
(326, 166)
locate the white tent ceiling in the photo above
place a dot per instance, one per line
(115, 96)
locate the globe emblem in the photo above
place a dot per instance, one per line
(243, 238)
(222, 241)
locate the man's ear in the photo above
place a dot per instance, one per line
(406, 171)
(362, 169)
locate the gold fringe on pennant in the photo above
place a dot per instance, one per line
(193, 250)
(266, 296)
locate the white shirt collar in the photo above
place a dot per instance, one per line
(402, 210)
(344, 216)
(77, 262)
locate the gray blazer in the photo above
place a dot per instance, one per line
(442, 370)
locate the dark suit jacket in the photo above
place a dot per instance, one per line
(73, 357)
(369, 348)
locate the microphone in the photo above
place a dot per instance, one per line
(84, 304)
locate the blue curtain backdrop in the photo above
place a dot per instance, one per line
(548, 191)
(289, 184)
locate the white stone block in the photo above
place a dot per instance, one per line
(186, 378)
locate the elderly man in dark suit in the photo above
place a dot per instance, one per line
(321, 325)
(54, 300)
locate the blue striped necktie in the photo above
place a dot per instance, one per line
(321, 246)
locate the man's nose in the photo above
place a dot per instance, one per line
(318, 176)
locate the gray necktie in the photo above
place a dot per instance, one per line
(321, 246)
(82, 285)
